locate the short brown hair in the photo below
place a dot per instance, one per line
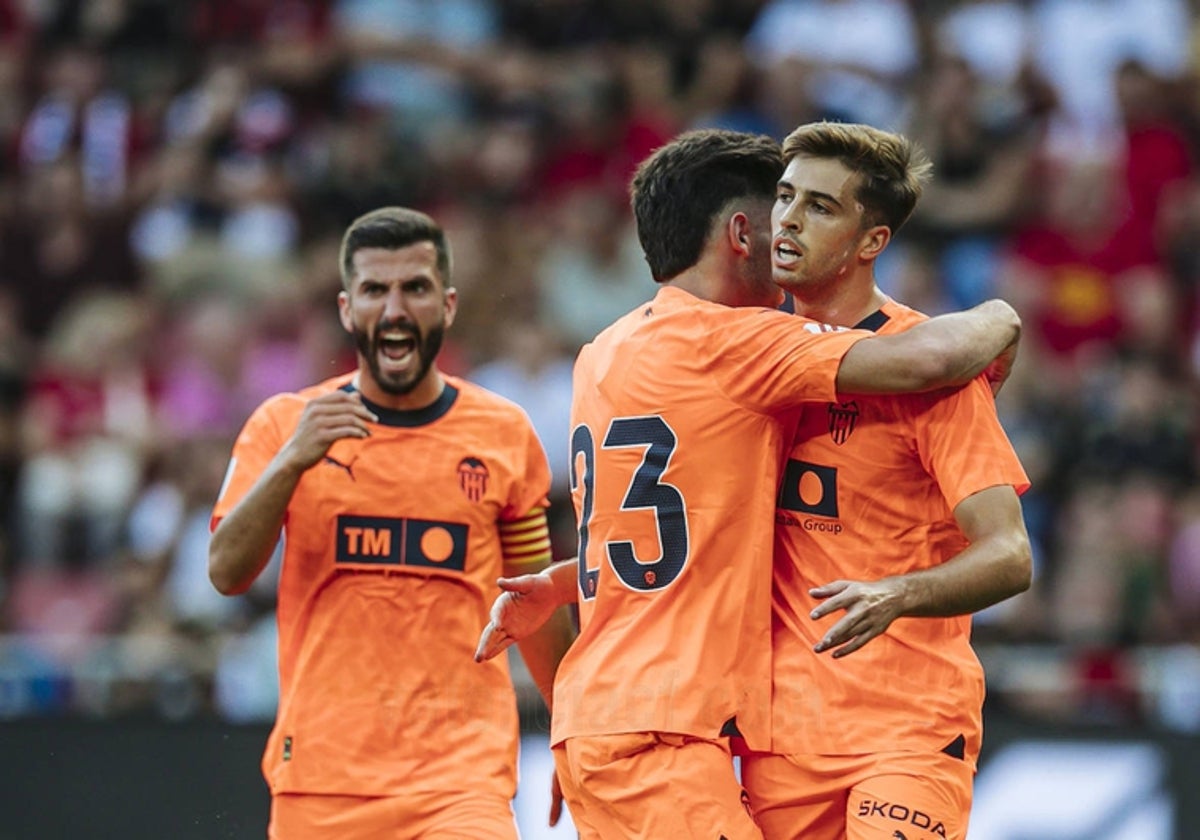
(393, 228)
(678, 192)
(892, 168)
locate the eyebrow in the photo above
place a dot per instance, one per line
(810, 194)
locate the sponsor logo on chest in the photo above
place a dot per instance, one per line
(381, 541)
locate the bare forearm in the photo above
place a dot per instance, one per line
(984, 574)
(543, 649)
(964, 343)
(243, 541)
(941, 352)
(565, 576)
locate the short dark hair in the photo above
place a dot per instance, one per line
(678, 192)
(393, 228)
(892, 168)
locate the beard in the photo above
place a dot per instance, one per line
(399, 384)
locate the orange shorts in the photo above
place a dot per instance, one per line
(652, 784)
(431, 816)
(914, 796)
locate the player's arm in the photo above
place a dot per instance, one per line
(996, 565)
(526, 546)
(244, 539)
(943, 351)
(526, 603)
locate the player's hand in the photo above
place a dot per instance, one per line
(326, 419)
(526, 603)
(556, 800)
(998, 371)
(871, 607)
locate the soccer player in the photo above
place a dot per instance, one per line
(401, 492)
(899, 515)
(682, 413)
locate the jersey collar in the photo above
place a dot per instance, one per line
(873, 322)
(410, 419)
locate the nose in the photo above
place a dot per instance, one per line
(395, 306)
(790, 217)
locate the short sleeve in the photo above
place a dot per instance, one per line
(258, 442)
(531, 476)
(769, 361)
(963, 446)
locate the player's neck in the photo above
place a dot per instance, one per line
(843, 306)
(726, 283)
(427, 392)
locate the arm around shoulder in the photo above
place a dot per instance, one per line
(945, 351)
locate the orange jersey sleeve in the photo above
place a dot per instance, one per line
(869, 491)
(391, 552)
(680, 416)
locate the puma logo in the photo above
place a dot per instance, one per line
(348, 467)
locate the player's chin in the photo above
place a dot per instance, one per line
(784, 278)
(396, 383)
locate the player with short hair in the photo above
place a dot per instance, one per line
(902, 511)
(682, 413)
(401, 493)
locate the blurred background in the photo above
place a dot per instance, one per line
(174, 179)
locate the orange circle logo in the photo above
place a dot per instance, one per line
(811, 491)
(437, 544)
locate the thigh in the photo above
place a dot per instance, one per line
(458, 816)
(424, 816)
(658, 785)
(304, 816)
(798, 797)
(911, 797)
(573, 796)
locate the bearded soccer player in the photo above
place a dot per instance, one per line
(400, 492)
(682, 414)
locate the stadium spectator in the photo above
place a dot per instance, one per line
(854, 57)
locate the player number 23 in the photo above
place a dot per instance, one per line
(645, 491)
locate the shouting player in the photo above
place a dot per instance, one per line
(400, 492)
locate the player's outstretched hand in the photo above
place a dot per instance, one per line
(871, 607)
(326, 419)
(526, 603)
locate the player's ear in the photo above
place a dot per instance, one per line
(451, 305)
(344, 311)
(874, 240)
(740, 233)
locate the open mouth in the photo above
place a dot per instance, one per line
(786, 254)
(398, 348)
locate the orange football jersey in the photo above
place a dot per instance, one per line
(681, 415)
(869, 491)
(391, 555)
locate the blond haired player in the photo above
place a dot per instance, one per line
(898, 516)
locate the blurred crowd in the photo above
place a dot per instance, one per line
(175, 177)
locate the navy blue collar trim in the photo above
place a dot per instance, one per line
(874, 321)
(411, 419)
